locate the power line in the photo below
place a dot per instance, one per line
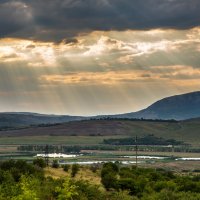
(47, 155)
(136, 152)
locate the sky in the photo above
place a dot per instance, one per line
(93, 57)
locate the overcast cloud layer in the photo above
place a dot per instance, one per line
(64, 19)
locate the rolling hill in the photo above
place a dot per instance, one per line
(187, 131)
(179, 107)
(18, 120)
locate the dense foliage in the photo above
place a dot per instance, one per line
(147, 184)
(146, 140)
(51, 148)
(23, 181)
(29, 149)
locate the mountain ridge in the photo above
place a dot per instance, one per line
(19, 120)
(177, 107)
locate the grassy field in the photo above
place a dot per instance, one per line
(67, 140)
(97, 155)
(93, 132)
(187, 131)
(179, 167)
(149, 153)
(84, 173)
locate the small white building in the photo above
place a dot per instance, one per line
(57, 155)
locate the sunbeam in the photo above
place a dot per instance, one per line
(105, 72)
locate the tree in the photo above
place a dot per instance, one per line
(109, 175)
(66, 168)
(29, 187)
(39, 162)
(55, 164)
(75, 169)
(67, 190)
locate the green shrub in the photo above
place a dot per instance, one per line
(55, 164)
(66, 168)
(39, 162)
(75, 169)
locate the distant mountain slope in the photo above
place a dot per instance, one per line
(14, 120)
(177, 107)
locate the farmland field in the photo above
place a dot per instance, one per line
(89, 137)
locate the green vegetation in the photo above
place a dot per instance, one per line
(75, 168)
(66, 168)
(65, 140)
(24, 181)
(83, 132)
(39, 162)
(55, 164)
(121, 144)
(149, 183)
(146, 140)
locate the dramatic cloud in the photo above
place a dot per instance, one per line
(86, 57)
(60, 19)
(15, 16)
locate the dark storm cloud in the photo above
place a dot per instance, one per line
(14, 17)
(59, 19)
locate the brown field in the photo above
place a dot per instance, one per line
(178, 166)
(8, 148)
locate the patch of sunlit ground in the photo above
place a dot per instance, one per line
(84, 173)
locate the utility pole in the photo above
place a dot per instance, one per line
(47, 155)
(136, 152)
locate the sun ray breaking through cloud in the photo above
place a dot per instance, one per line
(114, 61)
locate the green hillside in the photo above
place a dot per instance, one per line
(187, 131)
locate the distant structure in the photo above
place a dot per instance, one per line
(56, 155)
(46, 155)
